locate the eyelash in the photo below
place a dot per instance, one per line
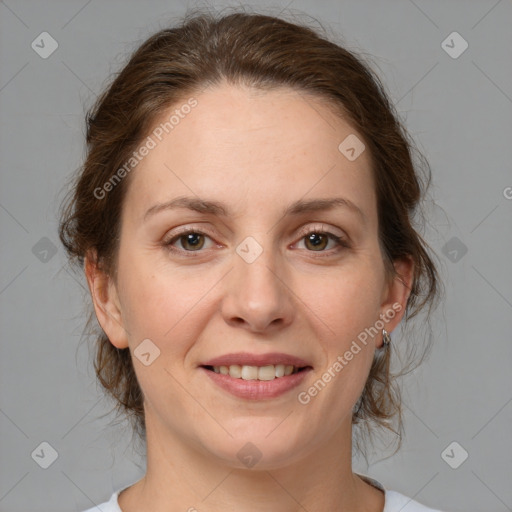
(340, 241)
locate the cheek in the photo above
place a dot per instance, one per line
(347, 301)
(166, 309)
(348, 305)
(164, 306)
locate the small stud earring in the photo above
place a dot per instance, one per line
(386, 338)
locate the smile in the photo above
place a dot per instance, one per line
(256, 382)
(249, 372)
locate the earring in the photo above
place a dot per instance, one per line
(386, 338)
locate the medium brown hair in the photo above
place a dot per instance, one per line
(264, 52)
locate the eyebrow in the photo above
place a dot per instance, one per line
(216, 208)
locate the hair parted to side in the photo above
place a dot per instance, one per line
(263, 52)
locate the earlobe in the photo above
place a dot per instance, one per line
(398, 291)
(105, 301)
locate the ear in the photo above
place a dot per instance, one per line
(106, 301)
(396, 293)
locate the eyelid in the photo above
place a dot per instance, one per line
(319, 228)
(190, 228)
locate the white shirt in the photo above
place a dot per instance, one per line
(394, 501)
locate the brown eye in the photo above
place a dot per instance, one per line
(189, 241)
(192, 241)
(316, 241)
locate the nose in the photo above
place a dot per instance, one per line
(256, 294)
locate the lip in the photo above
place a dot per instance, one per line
(245, 358)
(256, 389)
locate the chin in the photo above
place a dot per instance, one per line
(258, 446)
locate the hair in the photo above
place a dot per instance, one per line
(262, 52)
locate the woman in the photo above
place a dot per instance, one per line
(244, 221)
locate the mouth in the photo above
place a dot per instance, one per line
(256, 376)
(262, 373)
(256, 382)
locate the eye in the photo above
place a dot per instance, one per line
(191, 241)
(318, 240)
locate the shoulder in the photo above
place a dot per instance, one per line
(109, 506)
(396, 502)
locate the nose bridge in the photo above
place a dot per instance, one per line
(256, 293)
(255, 269)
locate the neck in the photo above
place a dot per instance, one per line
(182, 476)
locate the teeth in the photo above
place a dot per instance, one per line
(267, 372)
(235, 371)
(247, 372)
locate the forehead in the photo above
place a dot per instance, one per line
(241, 145)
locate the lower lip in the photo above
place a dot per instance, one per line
(257, 389)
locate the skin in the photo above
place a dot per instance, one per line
(256, 152)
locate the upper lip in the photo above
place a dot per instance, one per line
(245, 358)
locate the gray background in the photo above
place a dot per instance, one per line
(459, 110)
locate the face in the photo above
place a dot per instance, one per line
(267, 258)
